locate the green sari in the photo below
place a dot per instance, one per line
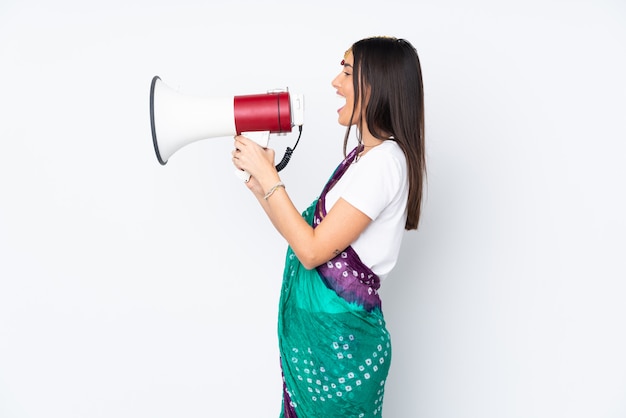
(334, 346)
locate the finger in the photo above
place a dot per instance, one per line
(235, 161)
(240, 139)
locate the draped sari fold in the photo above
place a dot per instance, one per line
(334, 346)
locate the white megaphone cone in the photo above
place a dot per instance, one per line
(178, 120)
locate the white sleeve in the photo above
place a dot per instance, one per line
(373, 183)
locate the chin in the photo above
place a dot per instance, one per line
(344, 120)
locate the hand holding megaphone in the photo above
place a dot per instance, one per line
(178, 120)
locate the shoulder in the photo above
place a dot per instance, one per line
(387, 157)
(376, 179)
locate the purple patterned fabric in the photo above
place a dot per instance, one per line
(346, 274)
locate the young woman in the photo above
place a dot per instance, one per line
(335, 349)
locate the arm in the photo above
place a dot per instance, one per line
(313, 246)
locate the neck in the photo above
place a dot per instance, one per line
(367, 146)
(368, 140)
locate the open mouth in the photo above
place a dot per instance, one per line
(339, 96)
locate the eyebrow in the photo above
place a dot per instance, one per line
(345, 64)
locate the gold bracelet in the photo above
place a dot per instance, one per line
(273, 189)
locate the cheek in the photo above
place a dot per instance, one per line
(356, 106)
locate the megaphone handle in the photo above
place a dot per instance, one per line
(260, 137)
(243, 175)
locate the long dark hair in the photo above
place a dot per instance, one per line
(389, 70)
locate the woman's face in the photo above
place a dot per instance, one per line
(345, 89)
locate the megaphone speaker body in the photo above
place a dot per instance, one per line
(178, 120)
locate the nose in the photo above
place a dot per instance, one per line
(335, 83)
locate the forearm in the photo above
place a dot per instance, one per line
(312, 246)
(266, 208)
(288, 221)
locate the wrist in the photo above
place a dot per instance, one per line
(267, 182)
(271, 190)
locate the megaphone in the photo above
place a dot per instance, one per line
(178, 120)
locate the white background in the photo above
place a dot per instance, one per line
(129, 289)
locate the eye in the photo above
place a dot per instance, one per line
(345, 66)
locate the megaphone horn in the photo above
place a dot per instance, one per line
(178, 120)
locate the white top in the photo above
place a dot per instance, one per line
(377, 185)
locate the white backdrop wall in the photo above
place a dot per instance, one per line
(128, 289)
